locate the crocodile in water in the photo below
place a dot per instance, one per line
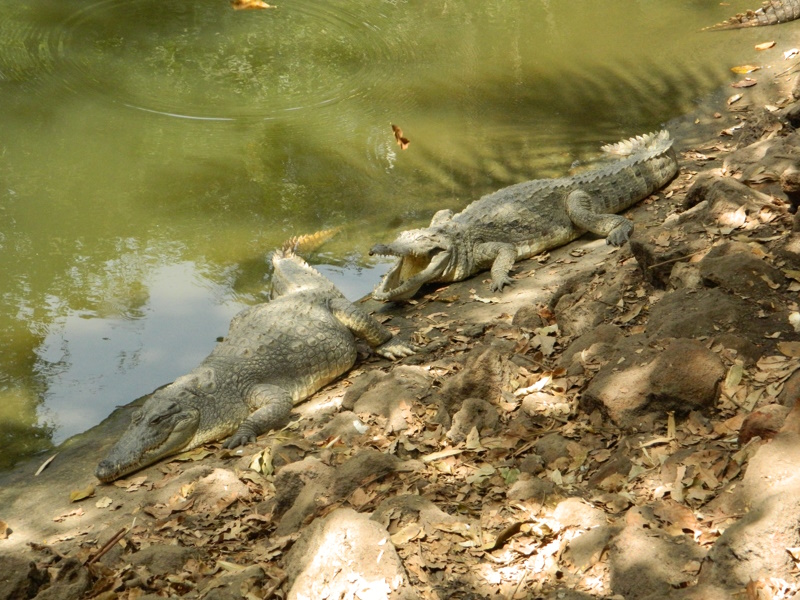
(275, 355)
(525, 219)
(772, 12)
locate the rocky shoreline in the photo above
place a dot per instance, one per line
(621, 423)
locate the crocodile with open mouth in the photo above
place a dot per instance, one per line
(525, 219)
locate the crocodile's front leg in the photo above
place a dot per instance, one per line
(368, 329)
(274, 406)
(581, 211)
(502, 257)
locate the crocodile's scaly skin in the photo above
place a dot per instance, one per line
(772, 12)
(525, 219)
(275, 355)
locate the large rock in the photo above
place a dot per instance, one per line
(20, 579)
(648, 562)
(634, 390)
(596, 345)
(713, 201)
(755, 546)
(725, 195)
(304, 488)
(695, 313)
(346, 555)
(388, 395)
(586, 301)
(737, 270)
(788, 249)
(776, 155)
(71, 582)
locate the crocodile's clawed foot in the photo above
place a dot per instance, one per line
(619, 236)
(497, 286)
(239, 439)
(395, 350)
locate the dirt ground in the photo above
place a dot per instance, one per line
(621, 423)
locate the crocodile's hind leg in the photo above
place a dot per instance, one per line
(580, 208)
(274, 404)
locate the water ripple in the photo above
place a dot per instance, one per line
(25, 50)
(205, 61)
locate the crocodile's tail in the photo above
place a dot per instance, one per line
(771, 12)
(307, 242)
(291, 273)
(650, 143)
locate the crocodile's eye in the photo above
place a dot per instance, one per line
(169, 411)
(157, 419)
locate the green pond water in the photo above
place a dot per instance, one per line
(153, 152)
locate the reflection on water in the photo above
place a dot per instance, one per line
(152, 152)
(103, 359)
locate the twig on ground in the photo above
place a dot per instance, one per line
(107, 546)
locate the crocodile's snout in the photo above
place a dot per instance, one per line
(105, 471)
(381, 249)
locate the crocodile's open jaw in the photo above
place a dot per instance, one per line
(410, 273)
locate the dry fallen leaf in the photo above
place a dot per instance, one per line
(407, 534)
(249, 5)
(230, 567)
(193, 455)
(765, 46)
(5, 530)
(262, 462)
(78, 512)
(744, 83)
(734, 98)
(744, 69)
(104, 502)
(403, 142)
(735, 219)
(791, 349)
(76, 495)
(482, 299)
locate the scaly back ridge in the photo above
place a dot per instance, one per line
(650, 143)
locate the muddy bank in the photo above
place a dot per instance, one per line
(621, 422)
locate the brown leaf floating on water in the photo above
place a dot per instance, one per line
(403, 142)
(249, 4)
(742, 69)
(765, 46)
